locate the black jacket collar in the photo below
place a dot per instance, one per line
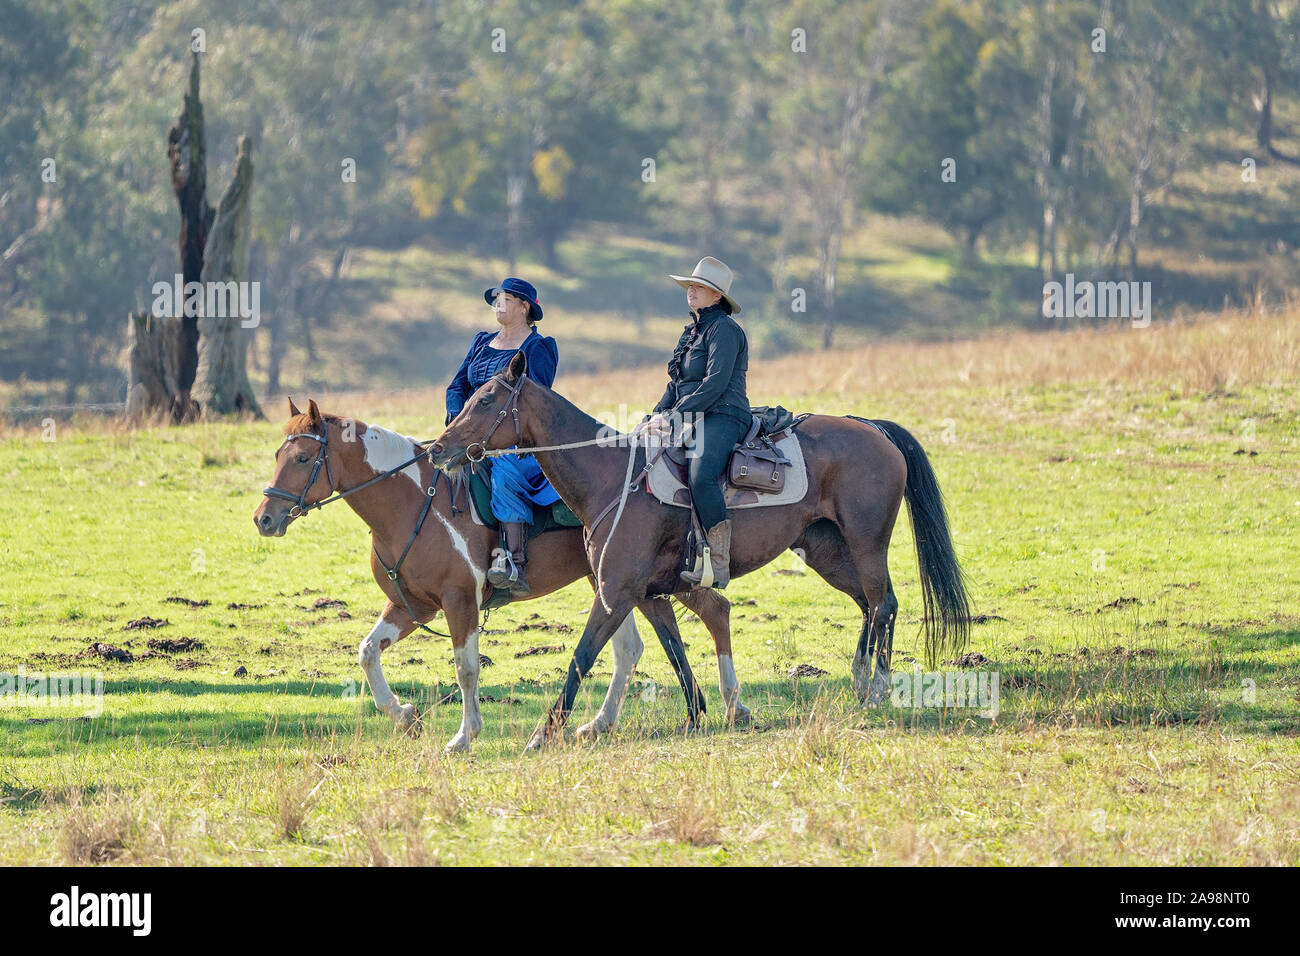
(708, 315)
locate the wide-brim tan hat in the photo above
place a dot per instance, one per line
(713, 273)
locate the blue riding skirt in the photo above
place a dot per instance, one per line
(517, 485)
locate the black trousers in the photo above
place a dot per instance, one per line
(715, 436)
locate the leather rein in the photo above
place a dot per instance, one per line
(301, 506)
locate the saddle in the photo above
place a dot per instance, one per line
(765, 468)
(478, 489)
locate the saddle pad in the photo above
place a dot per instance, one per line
(665, 486)
(545, 519)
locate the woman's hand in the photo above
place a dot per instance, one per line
(658, 424)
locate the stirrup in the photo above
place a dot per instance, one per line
(510, 578)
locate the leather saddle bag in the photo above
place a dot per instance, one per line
(756, 464)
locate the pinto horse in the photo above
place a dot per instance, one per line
(388, 481)
(858, 474)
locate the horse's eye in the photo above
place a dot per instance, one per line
(484, 402)
(302, 459)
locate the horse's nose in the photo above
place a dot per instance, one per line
(263, 523)
(436, 448)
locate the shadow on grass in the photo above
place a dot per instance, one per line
(1142, 688)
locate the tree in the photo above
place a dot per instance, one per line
(192, 364)
(828, 110)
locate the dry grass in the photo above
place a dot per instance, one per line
(1214, 353)
(1208, 353)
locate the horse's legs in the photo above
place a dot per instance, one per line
(659, 612)
(601, 626)
(393, 625)
(875, 643)
(627, 652)
(826, 552)
(715, 611)
(462, 622)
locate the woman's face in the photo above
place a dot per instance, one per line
(510, 309)
(701, 296)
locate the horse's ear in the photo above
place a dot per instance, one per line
(294, 412)
(518, 366)
(313, 411)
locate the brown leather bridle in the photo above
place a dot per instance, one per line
(511, 408)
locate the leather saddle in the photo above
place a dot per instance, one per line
(765, 468)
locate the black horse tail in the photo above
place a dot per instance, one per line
(943, 586)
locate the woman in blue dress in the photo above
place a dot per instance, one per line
(517, 480)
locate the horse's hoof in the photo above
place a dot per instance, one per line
(740, 717)
(408, 720)
(588, 733)
(457, 745)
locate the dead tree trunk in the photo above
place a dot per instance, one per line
(221, 380)
(165, 374)
(154, 349)
(187, 151)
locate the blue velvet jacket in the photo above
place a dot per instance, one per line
(482, 362)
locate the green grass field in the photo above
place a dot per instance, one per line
(1129, 543)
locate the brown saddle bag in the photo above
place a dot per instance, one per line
(756, 464)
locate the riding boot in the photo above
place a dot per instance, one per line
(719, 542)
(507, 569)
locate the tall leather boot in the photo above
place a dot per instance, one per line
(719, 541)
(507, 569)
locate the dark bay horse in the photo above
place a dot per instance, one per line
(445, 567)
(858, 474)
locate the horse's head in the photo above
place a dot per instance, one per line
(302, 471)
(490, 419)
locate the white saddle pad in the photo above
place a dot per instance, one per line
(663, 484)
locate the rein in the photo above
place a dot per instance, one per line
(301, 507)
(511, 408)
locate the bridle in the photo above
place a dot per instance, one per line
(300, 505)
(511, 408)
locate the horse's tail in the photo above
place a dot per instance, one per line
(943, 587)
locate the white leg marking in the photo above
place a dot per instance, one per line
(729, 685)
(627, 652)
(382, 635)
(872, 683)
(467, 677)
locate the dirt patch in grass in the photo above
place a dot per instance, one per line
(145, 623)
(174, 645)
(541, 649)
(805, 670)
(545, 626)
(108, 652)
(455, 698)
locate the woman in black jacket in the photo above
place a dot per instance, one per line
(706, 388)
